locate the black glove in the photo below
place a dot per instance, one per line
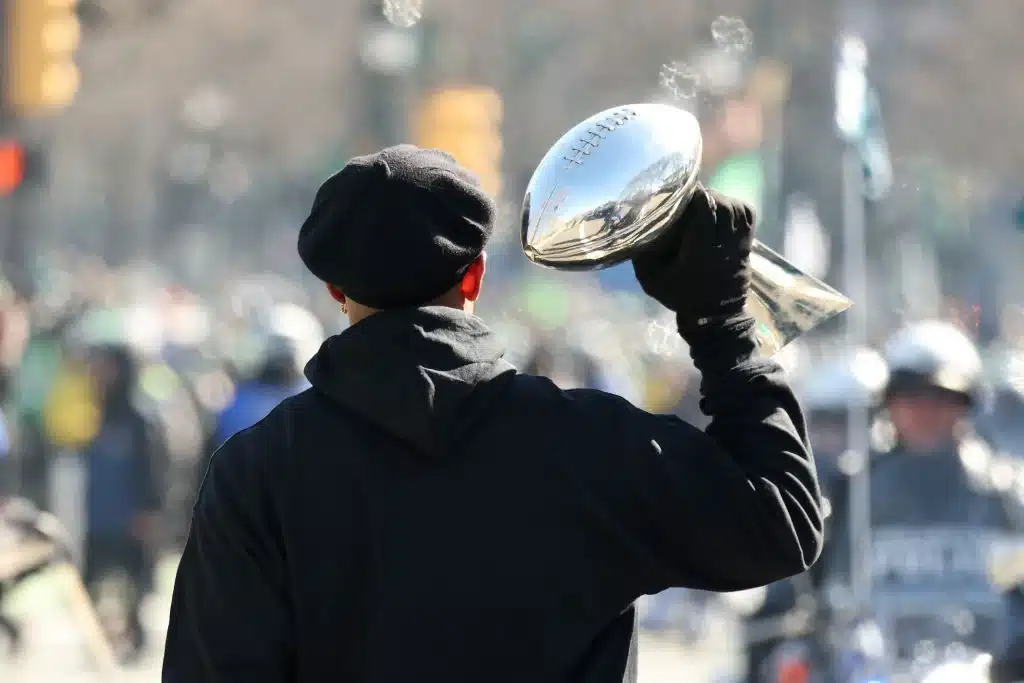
(700, 267)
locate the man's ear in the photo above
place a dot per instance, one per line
(472, 281)
(336, 294)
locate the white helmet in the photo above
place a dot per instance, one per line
(857, 378)
(934, 354)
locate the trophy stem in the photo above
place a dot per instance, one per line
(785, 301)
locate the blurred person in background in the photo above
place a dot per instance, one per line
(45, 425)
(827, 392)
(856, 379)
(1002, 422)
(423, 488)
(286, 346)
(936, 490)
(123, 487)
(565, 364)
(935, 381)
(277, 376)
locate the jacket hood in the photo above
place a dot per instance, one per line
(422, 375)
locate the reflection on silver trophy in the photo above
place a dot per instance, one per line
(613, 183)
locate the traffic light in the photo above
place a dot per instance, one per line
(22, 166)
(12, 166)
(40, 76)
(466, 123)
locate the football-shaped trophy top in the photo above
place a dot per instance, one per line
(610, 185)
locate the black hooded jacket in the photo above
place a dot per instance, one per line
(425, 513)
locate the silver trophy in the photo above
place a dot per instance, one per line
(616, 181)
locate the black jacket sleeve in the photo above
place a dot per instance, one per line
(734, 507)
(836, 541)
(230, 617)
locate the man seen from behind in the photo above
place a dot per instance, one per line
(424, 512)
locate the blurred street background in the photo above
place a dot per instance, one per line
(157, 159)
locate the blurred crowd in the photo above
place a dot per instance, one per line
(151, 304)
(114, 398)
(117, 386)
